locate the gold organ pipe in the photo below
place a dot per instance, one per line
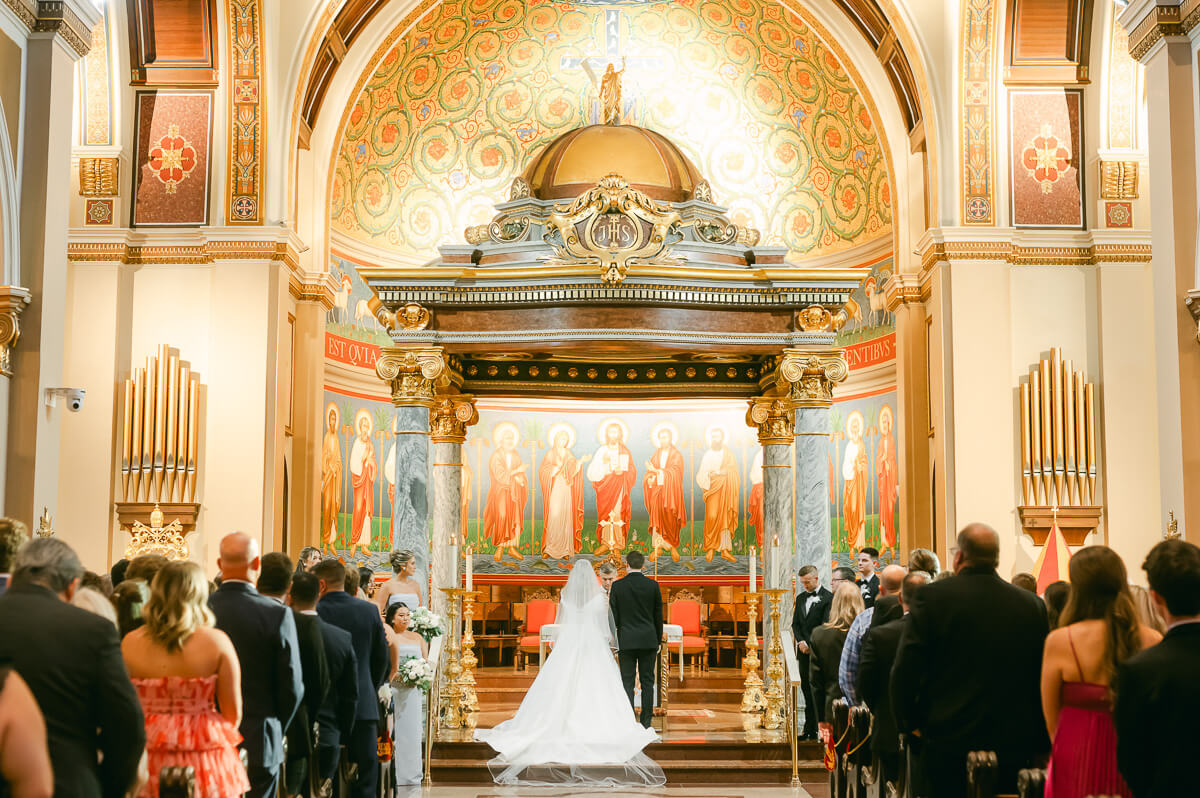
(1047, 444)
(1056, 405)
(1035, 433)
(172, 423)
(148, 428)
(185, 378)
(162, 396)
(1068, 413)
(1090, 409)
(193, 435)
(1081, 463)
(126, 444)
(1026, 461)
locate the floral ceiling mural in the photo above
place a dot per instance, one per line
(467, 92)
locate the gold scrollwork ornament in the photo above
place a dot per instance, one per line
(612, 226)
(773, 417)
(411, 373)
(809, 377)
(450, 417)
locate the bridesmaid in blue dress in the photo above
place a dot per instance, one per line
(407, 701)
(401, 587)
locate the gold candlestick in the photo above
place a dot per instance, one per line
(752, 696)
(451, 698)
(773, 716)
(470, 701)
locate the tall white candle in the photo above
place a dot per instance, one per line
(753, 570)
(470, 570)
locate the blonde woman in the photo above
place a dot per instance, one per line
(183, 668)
(401, 586)
(1146, 611)
(827, 642)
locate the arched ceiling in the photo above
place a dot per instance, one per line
(467, 92)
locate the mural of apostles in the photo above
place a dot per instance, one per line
(363, 470)
(612, 473)
(754, 504)
(887, 479)
(561, 482)
(854, 476)
(504, 511)
(717, 476)
(662, 488)
(331, 478)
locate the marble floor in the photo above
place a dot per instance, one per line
(807, 791)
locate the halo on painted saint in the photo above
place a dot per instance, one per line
(500, 428)
(602, 429)
(711, 428)
(333, 409)
(561, 426)
(669, 427)
(855, 419)
(360, 417)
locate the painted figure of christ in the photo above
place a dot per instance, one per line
(612, 473)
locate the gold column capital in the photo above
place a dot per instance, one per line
(807, 374)
(413, 373)
(450, 416)
(13, 299)
(1192, 303)
(773, 417)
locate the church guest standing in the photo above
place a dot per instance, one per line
(504, 510)
(362, 621)
(637, 611)
(1157, 691)
(662, 489)
(13, 535)
(25, 763)
(967, 672)
(264, 636)
(336, 714)
(874, 673)
(613, 474)
(406, 707)
(71, 660)
(827, 642)
(811, 610)
(402, 586)
(868, 580)
(309, 556)
(183, 670)
(274, 583)
(1100, 630)
(717, 476)
(887, 608)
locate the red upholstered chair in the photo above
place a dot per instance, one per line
(538, 613)
(686, 612)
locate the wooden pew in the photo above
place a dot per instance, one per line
(177, 782)
(981, 774)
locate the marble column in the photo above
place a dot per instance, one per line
(412, 374)
(809, 374)
(451, 417)
(772, 417)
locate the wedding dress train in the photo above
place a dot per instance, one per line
(575, 725)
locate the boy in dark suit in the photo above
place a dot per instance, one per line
(811, 610)
(637, 610)
(1157, 692)
(264, 636)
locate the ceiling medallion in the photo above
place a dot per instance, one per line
(612, 226)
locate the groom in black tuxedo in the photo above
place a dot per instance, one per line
(637, 612)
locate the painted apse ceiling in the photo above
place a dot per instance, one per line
(468, 91)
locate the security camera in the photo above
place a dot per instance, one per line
(72, 396)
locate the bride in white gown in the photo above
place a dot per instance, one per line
(575, 725)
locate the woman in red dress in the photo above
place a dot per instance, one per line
(1098, 630)
(183, 668)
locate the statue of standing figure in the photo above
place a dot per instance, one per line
(610, 91)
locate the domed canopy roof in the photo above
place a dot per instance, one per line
(575, 161)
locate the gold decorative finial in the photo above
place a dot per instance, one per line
(167, 540)
(1172, 527)
(610, 94)
(45, 527)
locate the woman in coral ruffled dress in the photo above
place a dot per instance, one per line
(189, 681)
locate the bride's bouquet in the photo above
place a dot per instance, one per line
(427, 624)
(415, 672)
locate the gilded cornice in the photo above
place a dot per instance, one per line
(24, 11)
(904, 289)
(1083, 250)
(1156, 23)
(312, 288)
(61, 17)
(208, 252)
(1192, 303)
(13, 299)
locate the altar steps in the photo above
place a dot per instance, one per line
(502, 688)
(683, 762)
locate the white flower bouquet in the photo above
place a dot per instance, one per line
(415, 672)
(427, 624)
